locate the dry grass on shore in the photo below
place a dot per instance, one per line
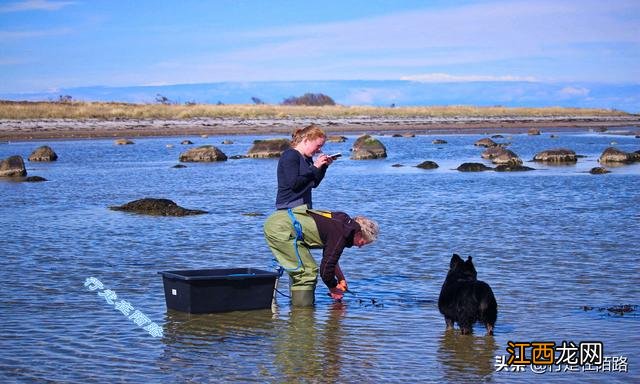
(100, 110)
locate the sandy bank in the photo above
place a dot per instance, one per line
(21, 130)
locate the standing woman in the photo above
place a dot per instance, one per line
(297, 172)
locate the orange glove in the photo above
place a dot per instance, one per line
(336, 293)
(342, 281)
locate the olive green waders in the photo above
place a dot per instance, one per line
(281, 236)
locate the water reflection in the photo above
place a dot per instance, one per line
(187, 328)
(466, 357)
(558, 230)
(297, 346)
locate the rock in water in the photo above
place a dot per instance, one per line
(367, 147)
(557, 155)
(156, 207)
(614, 155)
(44, 153)
(427, 164)
(512, 168)
(473, 167)
(34, 179)
(486, 142)
(12, 166)
(599, 171)
(268, 148)
(205, 153)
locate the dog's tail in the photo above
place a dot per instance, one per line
(488, 305)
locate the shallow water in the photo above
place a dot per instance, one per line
(548, 241)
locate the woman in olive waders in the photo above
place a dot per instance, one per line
(292, 233)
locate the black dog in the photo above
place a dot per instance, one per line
(465, 300)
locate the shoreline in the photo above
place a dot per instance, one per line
(59, 129)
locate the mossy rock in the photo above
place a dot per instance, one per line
(203, 154)
(156, 207)
(268, 148)
(43, 153)
(367, 147)
(556, 155)
(428, 165)
(473, 167)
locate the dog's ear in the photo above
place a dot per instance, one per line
(469, 259)
(455, 260)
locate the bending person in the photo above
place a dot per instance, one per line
(298, 173)
(330, 231)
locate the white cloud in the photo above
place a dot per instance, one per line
(34, 5)
(367, 96)
(528, 38)
(574, 92)
(16, 35)
(447, 78)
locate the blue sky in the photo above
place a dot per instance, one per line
(51, 45)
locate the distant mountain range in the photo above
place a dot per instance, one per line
(364, 92)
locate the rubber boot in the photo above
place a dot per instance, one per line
(304, 298)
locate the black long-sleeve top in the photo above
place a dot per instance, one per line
(336, 234)
(296, 177)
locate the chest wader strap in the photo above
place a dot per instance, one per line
(299, 236)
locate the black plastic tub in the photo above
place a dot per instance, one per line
(218, 290)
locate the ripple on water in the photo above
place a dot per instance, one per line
(548, 242)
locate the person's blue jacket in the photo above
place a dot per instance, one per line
(296, 177)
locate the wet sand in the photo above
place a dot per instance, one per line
(45, 129)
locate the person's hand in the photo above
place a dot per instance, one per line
(336, 293)
(342, 281)
(321, 160)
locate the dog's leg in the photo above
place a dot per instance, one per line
(489, 329)
(466, 327)
(449, 322)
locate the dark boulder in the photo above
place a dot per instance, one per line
(556, 155)
(512, 168)
(253, 214)
(427, 165)
(336, 139)
(205, 153)
(501, 156)
(12, 166)
(492, 152)
(473, 167)
(507, 158)
(486, 142)
(43, 153)
(599, 171)
(156, 207)
(186, 142)
(34, 179)
(268, 148)
(614, 155)
(367, 147)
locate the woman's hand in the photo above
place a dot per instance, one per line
(322, 159)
